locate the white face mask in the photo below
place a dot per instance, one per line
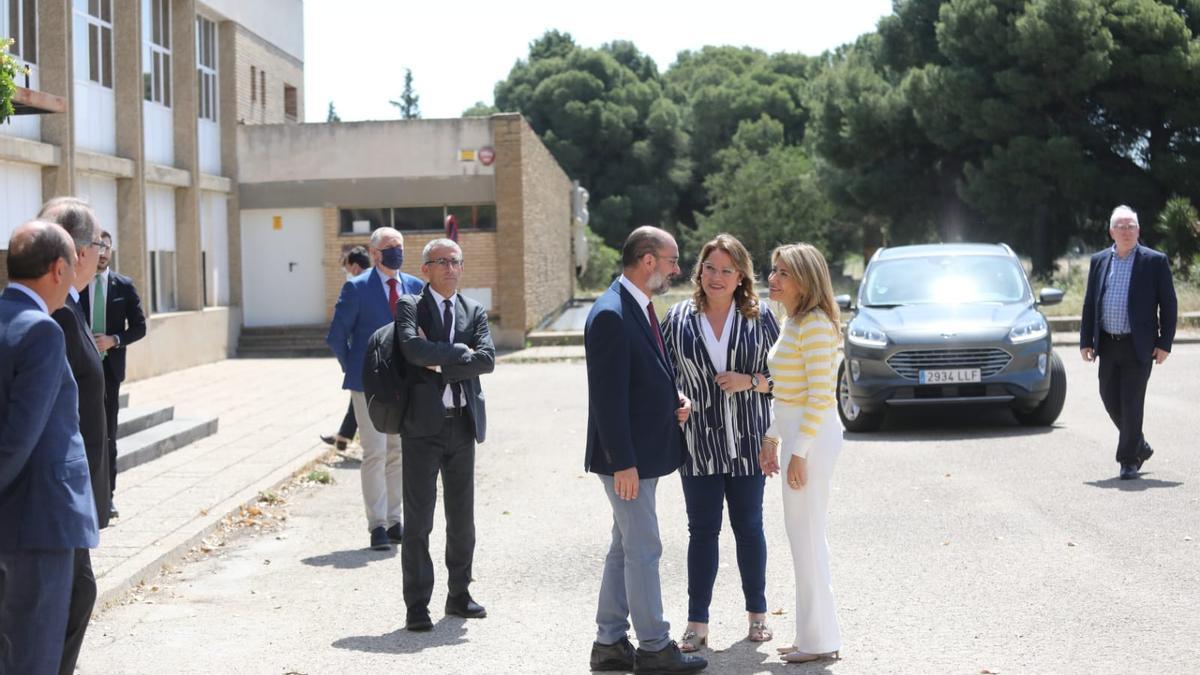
(349, 276)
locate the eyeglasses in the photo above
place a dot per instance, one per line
(674, 260)
(101, 246)
(1125, 227)
(446, 262)
(713, 270)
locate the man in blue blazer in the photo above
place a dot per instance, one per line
(46, 505)
(368, 302)
(633, 438)
(1129, 315)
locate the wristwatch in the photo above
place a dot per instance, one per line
(754, 380)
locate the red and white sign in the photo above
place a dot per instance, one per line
(487, 155)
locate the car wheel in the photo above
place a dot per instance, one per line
(1048, 410)
(853, 417)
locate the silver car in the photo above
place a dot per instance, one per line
(946, 324)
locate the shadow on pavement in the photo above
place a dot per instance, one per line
(350, 559)
(447, 632)
(1139, 485)
(744, 656)
(948, 423)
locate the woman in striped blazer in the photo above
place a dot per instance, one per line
(718, 342)
(808, 434)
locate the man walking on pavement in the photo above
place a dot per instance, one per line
(1129, 315)
(634, 438)
(446, 345)
(114, 310)
(46, 505)
(368, 302)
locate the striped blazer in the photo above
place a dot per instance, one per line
(724, 432)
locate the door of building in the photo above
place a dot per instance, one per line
(282, 280)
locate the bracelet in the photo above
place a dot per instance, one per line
(772, 440)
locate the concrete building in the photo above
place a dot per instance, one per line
(511, 200)
(182, 128)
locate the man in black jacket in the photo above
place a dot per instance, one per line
(117, 321)
(445, 341)
(80, 222)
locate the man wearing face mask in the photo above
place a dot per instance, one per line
(368, 302)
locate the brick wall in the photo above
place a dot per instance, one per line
(280, 69)
(549, 267)
(479, 255)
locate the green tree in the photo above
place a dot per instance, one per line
(9, 69)
(331, 115)
(1179, 225)
(409, 103)
(604, 116)
(480, 109)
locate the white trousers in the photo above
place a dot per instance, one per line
(805, 517)
(381, 471)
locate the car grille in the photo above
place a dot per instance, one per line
(988, 361)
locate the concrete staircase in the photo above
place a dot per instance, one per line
(284, 342)
(147, 432)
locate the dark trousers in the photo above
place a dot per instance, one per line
(705, 497)
(83, 599)
(35, 592)
(1123, 380)
(112, 398)
(452, 452)
(349, 423)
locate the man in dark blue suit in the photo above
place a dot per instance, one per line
(46, 505)
(368, 302)
(1129, 315)
(633, 438)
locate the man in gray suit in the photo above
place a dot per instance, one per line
(46, 505)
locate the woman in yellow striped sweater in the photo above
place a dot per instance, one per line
(806, 432)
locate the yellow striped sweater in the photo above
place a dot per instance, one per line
(803, 364)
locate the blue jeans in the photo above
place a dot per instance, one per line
(705, 497)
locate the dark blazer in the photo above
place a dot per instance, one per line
(361, 309)
(470, 355)
(89, 377)
(632, 396)
(45, 494)
(1152, 305)
(123, 318)
(716, 416)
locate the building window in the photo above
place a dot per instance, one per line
(289, 103)
(156, 28)
(253, 84)
(418, 218)
(206, 68)
(22, 28)
(98, 20)
(262, 87)
(162, 281)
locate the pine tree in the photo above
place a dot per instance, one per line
(332, 115)
(409, 103)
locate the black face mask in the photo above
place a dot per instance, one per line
(392, 258)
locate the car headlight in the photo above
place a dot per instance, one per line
(865, 336)
(1029, 331)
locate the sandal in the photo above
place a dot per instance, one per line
(691, 642)
(759, 632)
(805, 657)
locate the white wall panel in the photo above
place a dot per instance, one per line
(214, 235)
(160, 218)
(20, 196)
(95, 118)
(210, 147)
(159, 134)
(101, 193)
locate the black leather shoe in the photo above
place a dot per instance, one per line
(379, 540)
(418, 621)
(1147, 453)
(1129, 471)
(667, 660)
(395, 534)
(619, 655)
(334, 441)
(465, 607)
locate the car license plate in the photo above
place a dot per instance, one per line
(956, 376)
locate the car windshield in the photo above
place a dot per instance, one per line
(944, 279)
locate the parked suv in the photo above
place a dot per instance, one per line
(946, 324)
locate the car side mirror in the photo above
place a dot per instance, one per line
(1050, 296)
(843, 301)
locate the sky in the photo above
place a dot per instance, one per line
(355, 51)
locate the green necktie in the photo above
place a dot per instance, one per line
(99, 304)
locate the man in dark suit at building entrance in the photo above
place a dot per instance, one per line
(114, 311)
(446, 345)
(1129, 315)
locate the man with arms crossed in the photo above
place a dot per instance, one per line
(46, 505)
(634, 438)
(446, 345)
(1129, 315)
